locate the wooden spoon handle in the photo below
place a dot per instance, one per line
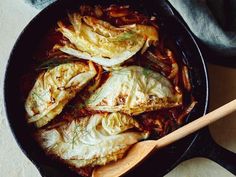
(140, 150)
(197, 124)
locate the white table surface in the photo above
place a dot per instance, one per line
(14, 16)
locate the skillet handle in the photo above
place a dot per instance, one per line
(205, 146)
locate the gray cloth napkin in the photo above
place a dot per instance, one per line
(39, 4)
(212, 21)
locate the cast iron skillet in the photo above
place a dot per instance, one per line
(162, 161)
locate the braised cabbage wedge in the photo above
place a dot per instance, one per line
(90, 141)
(102, 43)
(134, 90)
(54, 88)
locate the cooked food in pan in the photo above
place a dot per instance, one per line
(102, 79)
(54, 88)
(102, 43)
(134, 90)
(92, 140)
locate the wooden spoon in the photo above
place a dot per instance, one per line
(141, 150)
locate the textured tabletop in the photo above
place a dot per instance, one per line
(14, 16)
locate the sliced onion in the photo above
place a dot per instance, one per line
(97, 80)
(98, 11)
(185, 77)
(174, 65)
(164, 67)
(186, 111)
(118, 13)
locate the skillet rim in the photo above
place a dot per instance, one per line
(44, 12)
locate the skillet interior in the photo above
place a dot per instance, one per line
(161, 162)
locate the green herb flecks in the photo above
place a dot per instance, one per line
(81, 106)
(75, 135)
(51, 63)
(76, 106)
(146, 71)
(126, 36)
(78, 133)
(92, 99)
(39, 97)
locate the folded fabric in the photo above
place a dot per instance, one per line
(213, 22)
(39, 4)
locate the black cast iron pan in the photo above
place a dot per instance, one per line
(162, 161)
